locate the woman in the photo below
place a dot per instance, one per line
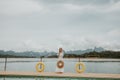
(60, 62)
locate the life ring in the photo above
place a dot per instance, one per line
(38, 68)
(60, 64)
(77, 67)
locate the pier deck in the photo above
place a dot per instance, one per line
(53, 74)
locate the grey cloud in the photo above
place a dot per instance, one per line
(74, 24)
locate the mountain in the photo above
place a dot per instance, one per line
(45, 53)
(22, 54)
(99, 49)
(79, 52)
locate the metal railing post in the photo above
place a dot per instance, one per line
(5, 64)
(41, 59)
(79, 61)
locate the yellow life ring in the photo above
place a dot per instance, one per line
(77, 67)
(60, 64)
(38, 67)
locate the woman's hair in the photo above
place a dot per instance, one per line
(60, 50)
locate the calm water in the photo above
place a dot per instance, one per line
(92, 66)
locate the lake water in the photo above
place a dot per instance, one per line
(28, 64)
(92, 65)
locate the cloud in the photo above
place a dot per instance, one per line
(115, 6)
(109, 7)
(114, 33)
(72, 42)
(31, 45)
(19, 7)
(48, 24)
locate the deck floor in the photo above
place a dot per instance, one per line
(53, 74)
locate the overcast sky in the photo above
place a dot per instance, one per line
(40, 25)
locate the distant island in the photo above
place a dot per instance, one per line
(88, 53)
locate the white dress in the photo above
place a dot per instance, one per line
(60, 58)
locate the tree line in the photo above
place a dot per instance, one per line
(93, 54)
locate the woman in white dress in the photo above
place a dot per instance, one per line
(60, 62)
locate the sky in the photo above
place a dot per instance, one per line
(46, 25)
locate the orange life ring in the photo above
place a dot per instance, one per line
(60, 64)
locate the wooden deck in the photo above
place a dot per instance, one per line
(53, 74)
